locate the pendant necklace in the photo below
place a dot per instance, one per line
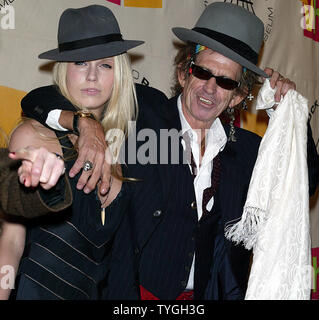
(102, 204)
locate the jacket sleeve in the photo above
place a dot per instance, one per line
(313, 162)
(26, 202)
(39, 102)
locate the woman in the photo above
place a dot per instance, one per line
(67, 255)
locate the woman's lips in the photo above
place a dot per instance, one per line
(90, 91)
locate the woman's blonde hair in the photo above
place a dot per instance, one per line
(119, 110)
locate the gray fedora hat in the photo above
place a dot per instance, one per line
(88, 33)
(230, 30)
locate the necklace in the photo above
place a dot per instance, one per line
(102, 203)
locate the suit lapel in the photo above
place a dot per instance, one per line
(177, 172)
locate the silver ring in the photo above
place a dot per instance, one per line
(88, 165)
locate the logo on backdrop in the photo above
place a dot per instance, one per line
(248, 5)
(309, 21)
(267, 16)
(140, 78)
(139, 3)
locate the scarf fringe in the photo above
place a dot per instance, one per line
(246, 230)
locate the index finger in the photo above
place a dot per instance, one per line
(269, 72)
(22, 154)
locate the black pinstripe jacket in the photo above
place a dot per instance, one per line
(159, 235)
(156, 242)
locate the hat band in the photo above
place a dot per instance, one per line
(89, 42)
(236, 45)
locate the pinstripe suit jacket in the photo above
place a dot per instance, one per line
(157, 240)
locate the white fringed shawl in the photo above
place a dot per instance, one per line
(275, 221)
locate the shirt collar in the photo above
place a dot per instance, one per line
(185, 125)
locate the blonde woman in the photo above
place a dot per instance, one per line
(67, 255)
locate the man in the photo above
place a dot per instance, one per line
(171, 243)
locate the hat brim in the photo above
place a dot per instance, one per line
(91, 53)
(188, 35)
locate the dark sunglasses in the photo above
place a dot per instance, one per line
(203, 74)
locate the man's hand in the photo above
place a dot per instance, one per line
(282, 84)
(92, 147)
(39, 166)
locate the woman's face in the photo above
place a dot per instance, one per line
(90, 83)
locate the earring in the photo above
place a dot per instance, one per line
(231, 114)
(250, 97)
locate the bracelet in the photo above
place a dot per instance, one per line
(58, 156)
(76, 116)
(61, 158)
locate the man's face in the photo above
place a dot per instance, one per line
(203, 100)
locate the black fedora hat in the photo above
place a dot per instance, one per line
(230, 30)
(88, 33)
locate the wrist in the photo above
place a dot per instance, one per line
(66, 120)
(80, 119)
(53, 120)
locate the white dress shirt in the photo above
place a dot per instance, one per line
(216, 140)
(53, 120)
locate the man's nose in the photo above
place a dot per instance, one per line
(210, 85)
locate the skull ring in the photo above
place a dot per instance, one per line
(88, 165)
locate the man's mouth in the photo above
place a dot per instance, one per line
(206, 101)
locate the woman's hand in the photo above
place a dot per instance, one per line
(39, 166)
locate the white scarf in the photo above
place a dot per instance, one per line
(275, 221)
